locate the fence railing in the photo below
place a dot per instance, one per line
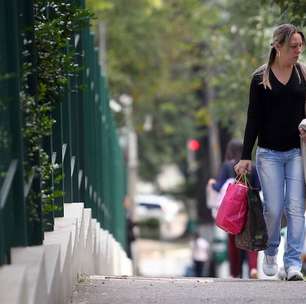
(83, 141)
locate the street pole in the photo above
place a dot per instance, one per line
(132, 163)
(213, 137)
(102, 45)
(132, 153)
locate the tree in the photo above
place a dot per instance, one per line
(291, 11)
(151, 57)
(168, 54)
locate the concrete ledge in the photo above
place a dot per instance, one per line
(34, 259)
(13, 285)
(70, 226)
(94, 244)
(63, 238)
(76, 211)
(98, 252)
(88, 256)
(46, 274)
(105, 263)
(53, 273)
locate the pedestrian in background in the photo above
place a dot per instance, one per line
(276, 107)
(236, 255)
(130, 227)
(200, 254)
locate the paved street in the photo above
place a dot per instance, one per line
(161, 258)
(161, 266)
(123, 290)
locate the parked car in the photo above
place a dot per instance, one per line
(170, 213)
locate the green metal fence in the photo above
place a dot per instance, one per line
(83, 140)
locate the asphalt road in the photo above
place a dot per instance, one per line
(142, 290)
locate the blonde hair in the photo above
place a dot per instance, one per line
(281, 35)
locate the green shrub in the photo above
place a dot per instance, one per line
(49, 61)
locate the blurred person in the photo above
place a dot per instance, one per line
(130, 226)
(200, 254)
(276, 107)
(236, 255)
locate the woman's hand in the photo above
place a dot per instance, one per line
(244, 166)
(303, 134)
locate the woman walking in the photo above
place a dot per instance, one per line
(276, 107)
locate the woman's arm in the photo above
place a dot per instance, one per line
(253, 119)
(251, 130)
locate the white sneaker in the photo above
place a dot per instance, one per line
(269, 265)
(294, 274)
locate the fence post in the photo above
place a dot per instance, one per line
(57, 157)
(13, 224)
(19, 209)
(66, 148)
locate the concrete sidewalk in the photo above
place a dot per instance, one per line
(144, 290)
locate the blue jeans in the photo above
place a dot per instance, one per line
(282, 180)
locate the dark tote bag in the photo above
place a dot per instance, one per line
(254, 235)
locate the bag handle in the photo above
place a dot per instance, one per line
(243, 179)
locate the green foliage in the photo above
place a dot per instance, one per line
(292, 11)
(55, 25)
(168, 54)
(150, 56)
(244, 45)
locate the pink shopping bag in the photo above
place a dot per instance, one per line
(232, 213)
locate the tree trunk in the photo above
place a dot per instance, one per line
(213, 137)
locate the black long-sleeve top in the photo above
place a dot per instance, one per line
(274, 115)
